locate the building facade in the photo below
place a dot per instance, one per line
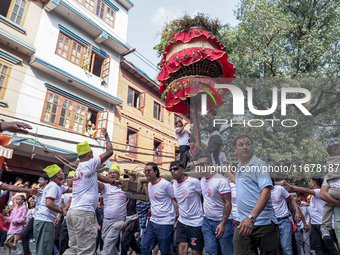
(69, 90)
(144, 131)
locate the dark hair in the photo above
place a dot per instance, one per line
(318, 181)
(242, 136)
(177, 163)
(45, 176)
(330, 148)
(22, 197)
(213, 112)
(179, 121)
(154, 167)
(192, 139)
(205, 155)
(3, 208)
(18, 179)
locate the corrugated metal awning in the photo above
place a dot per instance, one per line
(5, 152)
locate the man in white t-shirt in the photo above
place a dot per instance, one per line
(81, 218)
(217, 226)
(49, 208)
(302, 235)
(279, 196)
(114, 212)
(187, 192)
(159, 229)
(183, 139)
(316, 210)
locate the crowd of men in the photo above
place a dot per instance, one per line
(237, 214)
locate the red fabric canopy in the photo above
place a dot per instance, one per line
(187, 36)
(191, 55)
(181, 89)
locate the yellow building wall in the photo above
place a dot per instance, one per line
(147, 126)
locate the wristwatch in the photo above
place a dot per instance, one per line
(252, 218)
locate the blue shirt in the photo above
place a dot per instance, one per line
(250, 180)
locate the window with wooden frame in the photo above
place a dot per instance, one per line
(133, 98)
(100, 9)
(64, 113)
(83, 56)
(15, 10)
(4, 76)
(158, 111)
(102, 119)
(131, 142)
(157, 150)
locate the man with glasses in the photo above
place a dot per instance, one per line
(188, 195)
(159, 229)
(217, 228)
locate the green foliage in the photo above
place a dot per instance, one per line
(284, 43)
(183, 24)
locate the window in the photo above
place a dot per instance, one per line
(13, 10)
(4, 75)
(100, 9)
(131, 142)
(67, 114)
(157, 151)
(158, 111)
(177, 118)
(133, 97)
(82, 56)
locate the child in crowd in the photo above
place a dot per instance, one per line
(332, 179)
(17, 219)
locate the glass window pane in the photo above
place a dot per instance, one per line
(68, 115)
(48, 107)
(63, 111)
(67, 124)
(13, 17)
(70, 105)
(18, 20)
(54, 109)
(81, 119)
(78, 109)
(80, 128)
(50, 98)
(2, 78)
(83, 111)
(76, 118)
(21, 12)
(15, 9)
(52, 118)
(61, 122)
(46, 117)
(64, 103)
(56, 100)
(23, 4)
(75, 126)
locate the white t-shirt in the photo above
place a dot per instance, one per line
(305, 211)
(53, 191)
(85, 186)
(233, 201)
(162, 207)
(37, 202)
(114, 201)
(316, 207)
(212, 189)
(188, 196)
(279, 196)
(65, 197)
(183, 137)
(222, 158)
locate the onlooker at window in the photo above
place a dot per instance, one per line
(183, 138)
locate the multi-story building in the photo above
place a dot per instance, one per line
(144, 131)
(71, 82)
